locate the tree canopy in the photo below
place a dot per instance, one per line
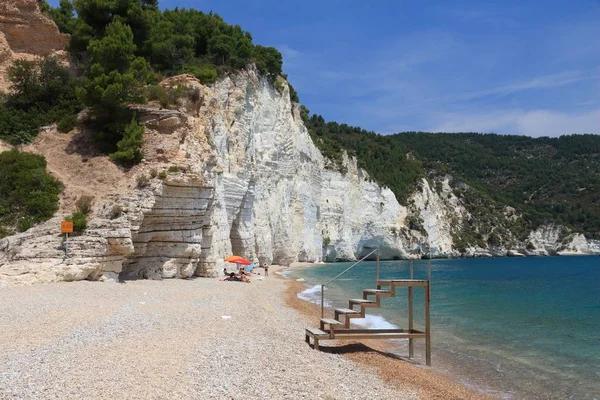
(122, 47)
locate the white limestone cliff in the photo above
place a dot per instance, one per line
(241, 176)
(558, 240)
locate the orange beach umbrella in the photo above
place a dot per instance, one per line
(238, 260)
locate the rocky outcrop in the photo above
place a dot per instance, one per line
(25, 32)
(43, 254)
(168, 228)
(558, 240)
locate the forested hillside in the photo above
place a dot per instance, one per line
(545, 179)
(386, 160)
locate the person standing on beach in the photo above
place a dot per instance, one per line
(266, 267)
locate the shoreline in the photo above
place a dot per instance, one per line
(486, 371)
(396, 370)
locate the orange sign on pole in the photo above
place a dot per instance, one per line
(66, 227)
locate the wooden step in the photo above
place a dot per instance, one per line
(316, 333)
(402, 282)
(333, 324)
(379, 293)
(376, 291)
(330, 321)
(346, 311)
(361, 301)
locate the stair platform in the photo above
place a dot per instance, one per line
(403, 282)
(364, 302)
(341, 334)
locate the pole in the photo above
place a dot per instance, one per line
(427, 316)
(322, 300)
(67, 245)
(429, 269)
(411, 347)
(427, 328)
(377, 278)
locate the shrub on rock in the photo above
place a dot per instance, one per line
(28, 194)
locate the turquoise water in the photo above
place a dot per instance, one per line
(517, 327)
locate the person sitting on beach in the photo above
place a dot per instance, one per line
(244, 277)
(230, 276)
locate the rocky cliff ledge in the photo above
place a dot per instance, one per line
(26, 33)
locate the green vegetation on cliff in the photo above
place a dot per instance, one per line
(42, 92)
(28, 194)
(545, 179)
(387, 161)
(122, 49)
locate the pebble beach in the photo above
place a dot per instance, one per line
(184, 339)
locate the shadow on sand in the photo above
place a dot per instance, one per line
(362, 348)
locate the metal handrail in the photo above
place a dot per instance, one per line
(342, 273)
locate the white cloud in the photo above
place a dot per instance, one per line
(541, 82)
(288, 52)
(542, 122)
(531, 123)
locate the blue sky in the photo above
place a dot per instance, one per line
(520, 67)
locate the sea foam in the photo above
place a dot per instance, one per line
(373, 322)
(312, 294)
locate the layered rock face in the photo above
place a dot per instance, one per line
(42, 254)
(27, 30)
(267, 173)
(250, 182)
(25, 33)
(168, 231)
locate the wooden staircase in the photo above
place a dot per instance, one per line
(339, 328)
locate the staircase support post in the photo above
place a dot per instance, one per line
(411, 345)
(427, 327)
(377, 277)
(411, 348)
(322, 300)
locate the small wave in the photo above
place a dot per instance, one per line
(374, 322)
(312, 294)
(285, 273)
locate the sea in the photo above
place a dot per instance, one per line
(517, 328)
